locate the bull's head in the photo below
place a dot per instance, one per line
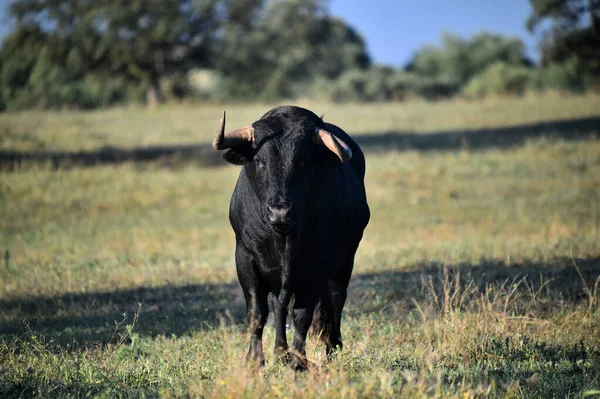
(284, 153)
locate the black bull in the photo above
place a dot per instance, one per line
(298, 211)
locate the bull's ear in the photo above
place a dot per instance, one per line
(333, 143)
(238, 155)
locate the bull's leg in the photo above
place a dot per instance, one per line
(255, 294)
(338, 299)
(280, 311)
(258, 311)
(338, 286)
(304, 306)
(323, 321)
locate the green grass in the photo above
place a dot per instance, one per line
(477, 276)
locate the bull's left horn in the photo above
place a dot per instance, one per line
(333, 144)
(230, 139)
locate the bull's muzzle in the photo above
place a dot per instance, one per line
(280, 216)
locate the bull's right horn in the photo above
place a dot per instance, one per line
(230, 139)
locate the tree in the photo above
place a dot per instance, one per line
(18, 57)
(573, 35)
(137, 40)
(259, 48)
(284, 48)
(565, 15)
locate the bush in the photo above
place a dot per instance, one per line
(561, 77)
(89, 92)
(203, 83)
(371, 84)
(383, 84)
(406, 85)
(500, 79)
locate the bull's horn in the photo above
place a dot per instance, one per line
(230, 139)
(333, 144)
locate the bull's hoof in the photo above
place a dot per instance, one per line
(284, 358)
(280, 351)
(255, 360)
(298, 363)
(333, 350)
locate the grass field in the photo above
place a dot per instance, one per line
(478, 276)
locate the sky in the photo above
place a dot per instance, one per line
(395, 29)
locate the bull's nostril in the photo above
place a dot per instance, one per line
(278, 215)
(271, 213)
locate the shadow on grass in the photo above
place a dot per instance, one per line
(205, 155)
(168, 156)
(90, 318)
(481, 139)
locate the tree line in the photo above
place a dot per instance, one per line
(95, 53)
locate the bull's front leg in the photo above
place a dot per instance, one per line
(280, 303)
(281, 298)
(304, 306)
(255, 294)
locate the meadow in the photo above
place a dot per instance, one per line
(478, 275)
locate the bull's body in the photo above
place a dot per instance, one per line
(312, 257)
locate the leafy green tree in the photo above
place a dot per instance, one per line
(18, 57)
(291, 43)
(571, 35)
(259, 49)
(38, 70)
(565, 15)
(135, 40)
